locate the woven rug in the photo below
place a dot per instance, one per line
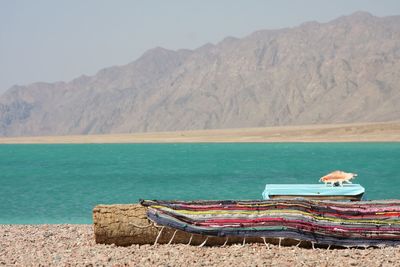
(349, 224)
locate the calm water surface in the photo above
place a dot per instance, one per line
(62, 183)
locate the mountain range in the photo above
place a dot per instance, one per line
(343, 71)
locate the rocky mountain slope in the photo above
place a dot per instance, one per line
(346, 70)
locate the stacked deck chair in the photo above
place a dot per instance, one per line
(346, 224)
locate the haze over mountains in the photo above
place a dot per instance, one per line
(347, 70)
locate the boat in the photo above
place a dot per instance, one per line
(349, 192)
(337, 186)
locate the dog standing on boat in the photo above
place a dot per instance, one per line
(338, 178)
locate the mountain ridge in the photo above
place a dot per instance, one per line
(341, 71)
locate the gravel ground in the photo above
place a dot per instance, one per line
(73, 245)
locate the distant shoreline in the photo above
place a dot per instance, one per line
(356, 132)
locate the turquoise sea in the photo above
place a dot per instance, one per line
(62, 183)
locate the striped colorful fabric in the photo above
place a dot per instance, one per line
(364, 223)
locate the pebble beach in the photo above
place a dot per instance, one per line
(74, 245)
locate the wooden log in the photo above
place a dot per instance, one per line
(127, 224)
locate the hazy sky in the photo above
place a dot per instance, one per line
(60, 40)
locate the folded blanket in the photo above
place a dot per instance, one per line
(364, 223)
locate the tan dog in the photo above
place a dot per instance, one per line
(338, 177)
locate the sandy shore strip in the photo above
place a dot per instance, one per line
(358, 132)
(73, 245)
